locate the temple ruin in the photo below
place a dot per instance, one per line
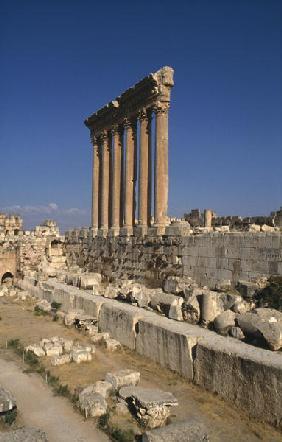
(118, 154)
(199, 296)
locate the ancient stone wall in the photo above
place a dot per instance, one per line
(236, 371)
(209, 259)
(8, 262)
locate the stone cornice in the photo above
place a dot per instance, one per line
(153, 91)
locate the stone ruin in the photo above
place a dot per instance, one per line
(114, 130)
(193, 295)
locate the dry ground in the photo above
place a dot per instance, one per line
(224, 423)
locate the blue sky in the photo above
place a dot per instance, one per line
(60, 60)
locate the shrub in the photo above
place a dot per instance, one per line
(10, 417)
(39, 312)
(56, 305)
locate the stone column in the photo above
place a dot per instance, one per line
(208, 215)
(105, 169)
(161, 169)
(95, 186)
(129, 185)
(117, 180)
(144, 202)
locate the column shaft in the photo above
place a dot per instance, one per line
(117, 180)
(129, 210)
(144, 203)
(161, 167)
(95, 185)
(105, 182)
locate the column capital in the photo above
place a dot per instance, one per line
(143, 114)
(103, 136)
(130, 122)
(93, 138)
(115, 129)
(161, 109)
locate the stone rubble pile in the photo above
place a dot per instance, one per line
(62, 351)
(150, 407)
(7, 401)
(230, 312)
(15, 293)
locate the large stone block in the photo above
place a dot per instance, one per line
(246, 376)
(120, 320)
(169, 343)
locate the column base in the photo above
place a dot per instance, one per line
(140, 230)
(156, 230)
(114, 231)
(103, 232)
(178, 229)
(126, 231)
(93, 231)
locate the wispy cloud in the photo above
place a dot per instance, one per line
(34, 214)
(49, 209)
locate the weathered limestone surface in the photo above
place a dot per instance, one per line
(120, 321)
(188, 431)
(248, 377)
(168, 343)
(208, 258)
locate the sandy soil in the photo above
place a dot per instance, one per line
(39, 408)
(224, 422)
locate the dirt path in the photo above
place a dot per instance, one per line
(39, 408)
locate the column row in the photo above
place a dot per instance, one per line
(115, 174)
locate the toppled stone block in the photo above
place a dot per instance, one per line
(212, 306)
(111, 344)
(237, 333)
(175, 311)
(139, 295)
(263, 324)
(111, 292)
(37, 350)
(91, 329)
(122, 378)
(53, 349)
(103, 388)
(188, 431)
(7, 401)
(191, 310)
(254, 228)
(72, 316)
(43, 305)
(151, 406)
(89, 281)
(67, 345)
(247, 289)
(99, 338)
(79, 356)
(92, 404)
(4, 291)
(266, 228)
(61, 360)
(224, 321)
(164, 302)
(241, 307)
(24, 435)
